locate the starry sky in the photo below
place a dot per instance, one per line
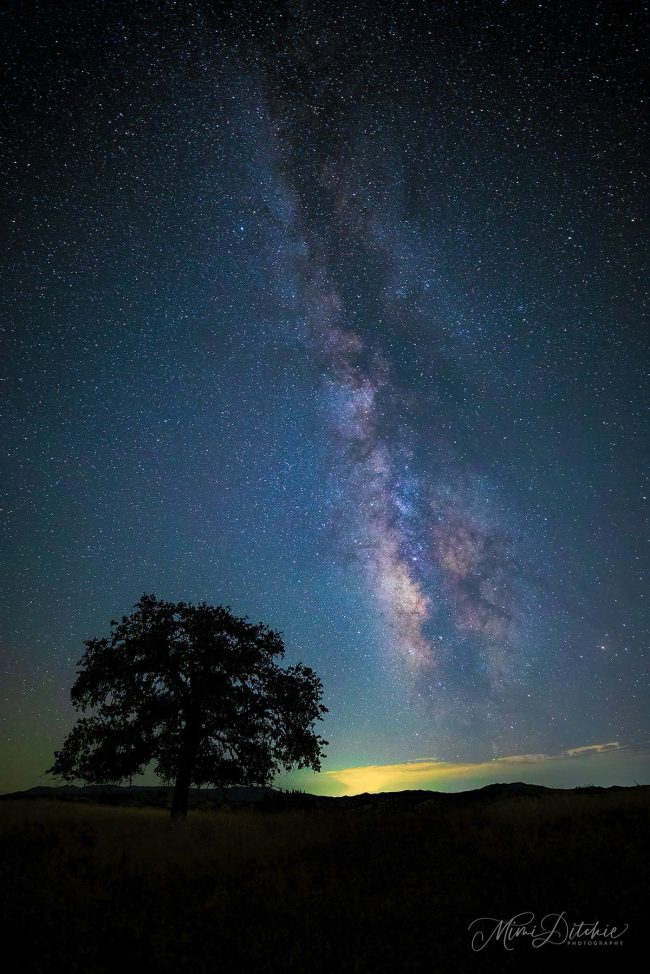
(335, 316)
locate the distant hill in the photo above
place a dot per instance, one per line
(157, 796)
(152, 796)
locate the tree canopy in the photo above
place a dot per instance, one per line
(198, 692)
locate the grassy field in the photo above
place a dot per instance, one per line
(93, 889)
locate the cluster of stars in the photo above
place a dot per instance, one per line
(333, 316)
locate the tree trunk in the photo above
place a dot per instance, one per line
(184, 776)
(181, 791)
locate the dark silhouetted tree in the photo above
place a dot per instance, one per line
(196, 690)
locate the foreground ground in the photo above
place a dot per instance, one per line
(87, 888)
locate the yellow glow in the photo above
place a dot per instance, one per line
(408, 775)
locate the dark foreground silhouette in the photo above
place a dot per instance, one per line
(267, 881)
(196, 692)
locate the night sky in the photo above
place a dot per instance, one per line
(335, 317)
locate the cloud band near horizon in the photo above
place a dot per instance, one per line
(589, 764)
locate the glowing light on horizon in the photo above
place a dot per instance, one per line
(434, 774)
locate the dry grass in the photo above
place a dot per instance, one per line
(94, 889)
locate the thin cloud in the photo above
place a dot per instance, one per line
(597, 748)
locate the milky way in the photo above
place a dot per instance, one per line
(418, 544)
